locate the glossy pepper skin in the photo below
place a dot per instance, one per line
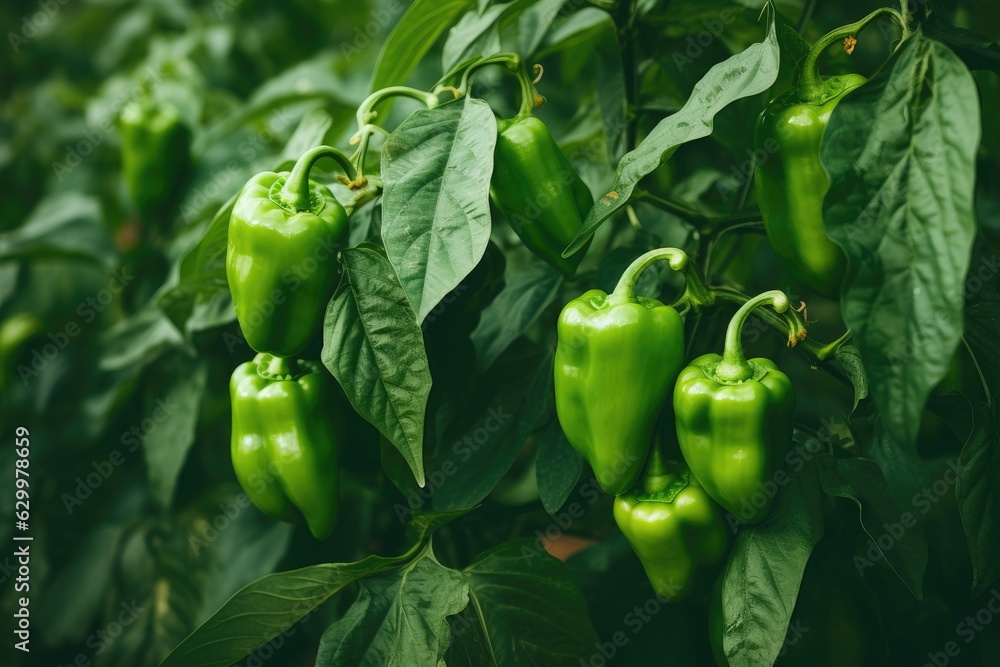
(155, 154)
(284, 234)
(284, 447)
(616, 360)
(734, 420)
(791, 184)
(674, 527)
(537, 190)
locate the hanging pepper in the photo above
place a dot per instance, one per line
(284, 446)
(284, 234)
(538, 192)
(155, 155)
(734, 420)
(534, 185)
(790, 179)
(673, 525)
(617, 357)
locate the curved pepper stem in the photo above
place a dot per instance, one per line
(734, 367)
(513, 64)
(678, 260)
(811, 86)
(296, 193)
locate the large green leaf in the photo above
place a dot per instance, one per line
(475, 33)
(557, 468)
(892, 533)
(374, 347)
(436, 221)
(167, 429)
(748, 73)
(977, 492)
(900, 152)
(414, 35)
(265, 608)
(525, 610)
(509, 402)
(527, 292)
(400, 618)
(62, 225)
(764, 572)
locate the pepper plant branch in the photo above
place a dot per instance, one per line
(706, 224)
(789, 322)
(806, 14)
(626, 22)
(366, 128)
(513, 64)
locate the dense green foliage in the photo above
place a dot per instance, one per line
(468, 530)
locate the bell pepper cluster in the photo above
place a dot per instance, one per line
(619, 370)
(286, 428)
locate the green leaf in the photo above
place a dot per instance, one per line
(265, 608)
(764, 572)
(138, 340)
(399, 618)
(311, 132)
(472, 33)
(850, 362)
(581, 27)
(532, 26)
(201, 272)
(435, 209)
(748, 73)
(414, 35)
(172, 414)
(557, 468)
(900, 204)
(374, 347)
(511, 401)
(979, 502)
(527, 292)
(883, 521)
(976, 51)
(312, 80)
(62, 225)
(792, 46)
(977, 492)
(525, 610)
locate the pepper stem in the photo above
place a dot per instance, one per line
(366, 112)
(663, 479)
(734, 366)
(515, 65)
(811, 84)
(655, 479)
(270, 366)
(696, 291)
(296, 193)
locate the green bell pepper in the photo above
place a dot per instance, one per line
(674, 527)
(734, 420)
(284, 234)
(284, 442)
(155, 155)
(537, 190)
(616, 360)
(790, 179)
